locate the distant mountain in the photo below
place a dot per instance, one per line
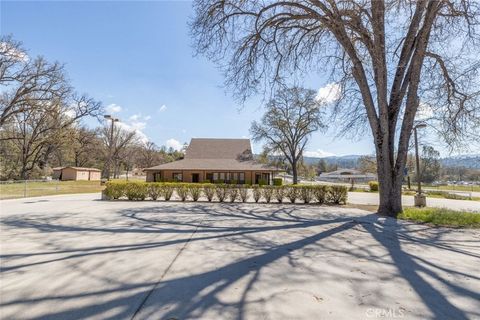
(471, 161)
(348, 161)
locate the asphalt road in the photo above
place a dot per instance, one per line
(74, 257)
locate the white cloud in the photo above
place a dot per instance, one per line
(8, 50)
(146, 118)
(114, 108)
(70, 113)
(138, 131)
(319, 153)
(424, 112)
(330, 93)
(162, 108)
(173, 143)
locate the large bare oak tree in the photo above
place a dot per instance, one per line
(389, 57)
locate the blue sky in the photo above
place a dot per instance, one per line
(136, 57)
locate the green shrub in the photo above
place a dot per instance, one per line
(277, 181)
(243, 192)
(373, 185)
(257, 193)
(292, 193)
(195, 191)
(262, 182)
(456, 196)
(337, 194)
(320, 193)
(267, 193)
(182, 192)
(221, 192)
(115, 189)
(306, 193)
(136, 190)
(209, 191)
(279, 193)
(155, 190)
(232, 193)
(168, 191)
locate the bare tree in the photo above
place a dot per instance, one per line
(291, 117)
(26, 83)
(116, 142)
(382, 54)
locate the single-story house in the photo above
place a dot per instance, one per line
(215, 160)
(76, 173)
(347, 175)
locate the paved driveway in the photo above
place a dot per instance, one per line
(74, 257)
(372, 199)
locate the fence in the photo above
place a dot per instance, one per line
(32, 188)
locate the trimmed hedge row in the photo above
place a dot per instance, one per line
(226, 192)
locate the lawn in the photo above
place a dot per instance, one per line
(442, 217)
(44, 188)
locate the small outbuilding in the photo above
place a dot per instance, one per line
(76, 173)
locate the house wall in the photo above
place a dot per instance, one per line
(95, 175)
(69, 174)
(56, 174)
(167, 175)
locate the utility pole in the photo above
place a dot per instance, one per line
(420, 199)
(110, 144)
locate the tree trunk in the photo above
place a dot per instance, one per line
(294, 172)
(390, 186)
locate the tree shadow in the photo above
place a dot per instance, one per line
(192, 296)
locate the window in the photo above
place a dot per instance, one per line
(222, 175)
(241, 176)
(177, 177)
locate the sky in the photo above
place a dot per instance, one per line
(137, 58)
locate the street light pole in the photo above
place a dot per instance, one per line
(110, 145)
(420, 199)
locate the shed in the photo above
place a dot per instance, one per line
(76, 173)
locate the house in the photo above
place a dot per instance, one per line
(347, 175)
(215, 160)
(76, 173)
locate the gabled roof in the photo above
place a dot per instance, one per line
(216, 154)
(213, 164)
(202, 148)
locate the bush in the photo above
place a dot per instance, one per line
(306, 193)
(182, 192)
(195, 191)
(115, 190)
(243, 192)
(267, 193)
(262, 182)
(168, 191)
(292, 194)
(320, 193)
(209, 192)
(136, 191)
(221, 192)
(373, 185)
(232, 193)
(337, 194)
(279, 193)
(154, 190)
(257, 193)
(277, 181)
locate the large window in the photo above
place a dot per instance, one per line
(177, 177)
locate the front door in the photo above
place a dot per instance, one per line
(194, 177)
(257, 178)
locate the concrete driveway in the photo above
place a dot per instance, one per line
(367, 198)
(74, 257)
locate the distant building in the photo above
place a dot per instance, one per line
(215, 160)
(76, 173)
(347, 175)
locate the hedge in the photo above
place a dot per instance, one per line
(318, 194)
(373, 185)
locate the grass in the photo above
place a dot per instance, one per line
(429, 193)
(442, 217)
(45, 188)
(454, 188)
